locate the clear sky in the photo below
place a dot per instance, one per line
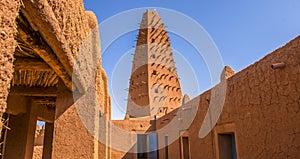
(243, 31)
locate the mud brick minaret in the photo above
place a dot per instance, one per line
(154, 87)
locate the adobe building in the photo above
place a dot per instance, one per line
(154, 87)
(40, 45)
(260, 115)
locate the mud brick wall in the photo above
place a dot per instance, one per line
(72, 20)
(264, 105)
(8, 12)
(262, 108)
(70, 138)
(129, 126)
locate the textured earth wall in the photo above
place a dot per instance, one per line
(135, 126)
(71, 139)
(264, 105)
(8, 12)
(73, 21)
(262, 108)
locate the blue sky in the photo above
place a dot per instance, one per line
(243, 31)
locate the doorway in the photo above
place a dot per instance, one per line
(227, 146)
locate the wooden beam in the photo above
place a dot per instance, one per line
(31, 64)
(41, 48)
(34, 91)
(45, 21)
(44, 100)
(45, 113)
